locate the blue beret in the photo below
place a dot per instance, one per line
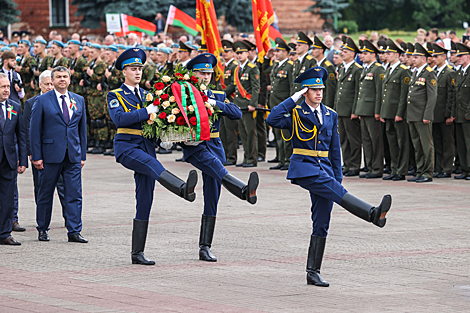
(313, 78)
(13, 44)
(88, 44)
(2, 43)
(205, 62)
(5, 49)
(131, 57)
(41, 41)
(25, 42)
(121, 47)
(195, 47)
(166, 50)
(174, 45)
(74, 42)
(112, 48)
(95, 46)
(58, 43)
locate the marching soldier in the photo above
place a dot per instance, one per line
(318, 52)
(56, 51)
(422, 97)
(345, 104)
(25, 68)
(393, 111)
(442, 128)
(228, 127)
(369, 101)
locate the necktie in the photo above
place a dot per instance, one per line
(318, 118)
(9, 76)
(2, 116)
(65, 109)
(136, 91)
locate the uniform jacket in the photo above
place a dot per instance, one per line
(347, 90)
(228, 79)
(445, 94)
(263, 83)
(326, 139)
(28, 106)
(422, 96)
(369, 98)
(13, 132)
(330, 84)
(462, 97)
(131, 117)
(214, 145)
(27, 63)
(282, 80)
(300, 67)
(51, 137)
(250, 80)
(395, 92)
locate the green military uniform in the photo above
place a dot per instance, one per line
(148, 74)
(77, 65)
(27, 64)
(115, 80)
(461, 112)
(422, 97)
(63, 61)
(247, 93)
(330, 83)
(45, 63)
(394, 101)
(441, 132)
(282, 84)
(345, 104)
(369, 101)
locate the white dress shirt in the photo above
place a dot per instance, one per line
(318, 109)
(282, 62)
(347, 65)
(420, 69)
(394, 66)
(12, 76)
(67, 100)
(4, 108)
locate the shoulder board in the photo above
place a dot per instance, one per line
(235, 62)
(277, 61)
(357, 64)
(251, 65)
(116, 90)
(328, 63)
(218, 92)
(429, 69)
(309, 57)
(450, 67)
(378, 64)
(403, 67)
(290, 62)
(330, 109)
(298, 107)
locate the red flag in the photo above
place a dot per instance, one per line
(274, 33)
(263, 17)
(206, 21)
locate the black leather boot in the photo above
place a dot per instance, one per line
(139, 236)
(240, 189)
(99, 147)
(315, 257)
(366, 211)
(178, 187)
(205, 238)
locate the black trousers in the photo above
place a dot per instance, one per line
(7, 191)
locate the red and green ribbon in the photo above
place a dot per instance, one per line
(11, 111)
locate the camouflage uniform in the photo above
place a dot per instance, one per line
(45, 63)
(115, 80)
(27, 63)
(148, 74)
(77, 64)
(96, 106)
(63, 61)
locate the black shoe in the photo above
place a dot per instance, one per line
(463, 176)
(260, 159)
(277, 167)
(414, 179)
(98, 148)
(423, 179)
(180, 188)
(363, 175)
(228, 163)
(314, 260)
(389, 177)
(139, 236)
(467, 178)
(205, 238)
(240, 189)
(108, 144)
(249, 165)
(240, 164)
(351, 173)
(364, 169)
(179, 160)
(372, 175)
(17, 227)
(43, 236)
(164, 151)
(110, 152)
(275, 160)
(435, 174)
(77, 238)
(284, 168)
(399, 177)
(444, 175)
(91, 143)
(387, 170)
(458, 171)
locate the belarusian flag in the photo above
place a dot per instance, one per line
(178, 18)
(136, 25)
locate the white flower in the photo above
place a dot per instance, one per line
(149, 97)
(153, 116)
(172, 99)
(171, 118)
(212, 110)
(175, 111)
(165, 104)
(190, 108)
(203, 87)
(166, 79)
(150, 122)
(158, 92)
(207, 104)
(186, 77)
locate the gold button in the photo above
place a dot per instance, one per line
(385, 89)
(319, 141)
(319, 133)
(319, 161)
(383, 101)
(340, 87)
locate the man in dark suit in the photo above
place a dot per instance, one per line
(10, 125)
(58, 145)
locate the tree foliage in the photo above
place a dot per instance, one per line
(329, 10)
(8, 12)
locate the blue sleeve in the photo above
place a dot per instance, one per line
(230, 110)
(27, 121)
(82, 131)
(36, 129)
(335, 152)
(281, 115)
(122, 118)
(21, 138)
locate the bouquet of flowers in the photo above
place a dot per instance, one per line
(184, 111)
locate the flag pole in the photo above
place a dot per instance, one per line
(167, 18)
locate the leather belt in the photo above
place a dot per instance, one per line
(313, 153)
(129, 131)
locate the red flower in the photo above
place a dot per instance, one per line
(193, 121)
(162, 115)
(205, 98)
(179, 76)
(194, 79)
(180, 121)
(209, 112)
(159, 86)
(156, 102)
(164, 97)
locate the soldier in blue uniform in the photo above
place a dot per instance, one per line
(209, 156)
(137, 153)
(316, 164)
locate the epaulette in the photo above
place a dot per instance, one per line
(251, 65)
(403, 67)
(116, 90)
(330, 109)
(429, 69)
(328, 63)
(309, 57)
(277, 61)
(358, 65)
(290, 62)
(235, 62)
(448, 65)
(218, 92)
(298, 107)
(378, 64)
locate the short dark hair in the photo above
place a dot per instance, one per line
(7, 55)
(60, 69)
(435, 31)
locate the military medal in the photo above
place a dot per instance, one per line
(11, 111)
(73, 104)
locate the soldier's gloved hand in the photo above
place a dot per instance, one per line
(152, 109)
(296, 96)
(192, 143)
(166, 145)
(212, 102)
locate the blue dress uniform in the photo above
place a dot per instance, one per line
(137, 153)
(209, 156)
(316, 166)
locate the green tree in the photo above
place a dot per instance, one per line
(329, 10)
(8, 13)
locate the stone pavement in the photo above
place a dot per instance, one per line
(418, 263)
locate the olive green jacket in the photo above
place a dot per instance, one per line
(462, 97)
(445, 94)
(250, 80)
(395, 92)
(347, 90)
(282, 81)
(422, 96)
(300, 67)
(330, 84)
(27, 63)
(369, 98)
(228, 80)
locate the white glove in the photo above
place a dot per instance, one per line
(152, 109)
(296, 96)
(192, 143)
(166, 145)
(212, 102)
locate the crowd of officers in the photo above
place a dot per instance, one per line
(404, 111)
